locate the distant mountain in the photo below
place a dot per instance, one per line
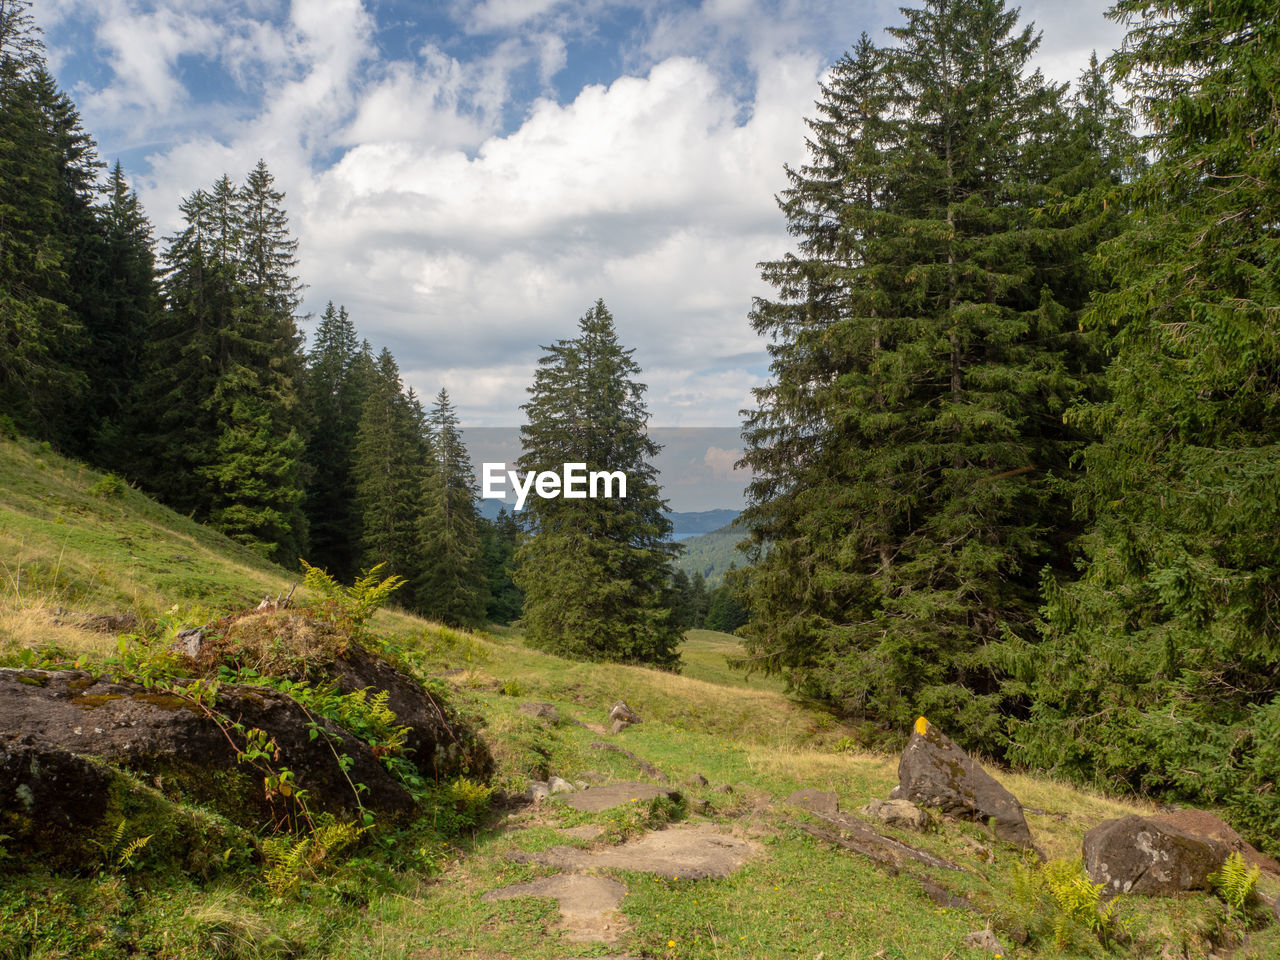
(489, 508)
(701, 521)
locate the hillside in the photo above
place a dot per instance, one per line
(73, 542)
(711, 554)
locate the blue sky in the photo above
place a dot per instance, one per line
(469, 177)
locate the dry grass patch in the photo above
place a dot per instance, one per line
(32, 625)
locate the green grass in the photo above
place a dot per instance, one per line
(416, 893)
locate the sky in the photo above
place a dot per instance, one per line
(467, 178)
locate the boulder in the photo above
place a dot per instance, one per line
(935, 772)
(62, 811)
(288, 644)
(897, 813)
(1136, 855)
(538, 791)
(621, 716)
(559, 785)
(1202, 823)
(195, 749)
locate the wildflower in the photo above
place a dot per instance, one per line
(671, 943)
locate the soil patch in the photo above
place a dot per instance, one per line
(691, 852)
(588, 905)
(599, 799)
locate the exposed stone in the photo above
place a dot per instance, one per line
(819, 801)
(538, 791)
(164, 733)
(699, 780)
(1202, 823)
(596, 799)
(897, 813)
(984, 940)
(299, 648)
(558, 785)
(724, 788)
(586, 903)
(621, 716)
(544, 711)
(48, 794)
(689, 851)
(935, 772)
(1136, 855)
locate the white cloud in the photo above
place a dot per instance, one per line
(464, 238)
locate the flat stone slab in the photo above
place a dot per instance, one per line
(692, 852)
(819, 801)
(599, 799)
(587, 904)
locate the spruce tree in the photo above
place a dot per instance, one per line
(48, 170)
(452, 586)
(337, 381)
(223, 368)
(595, 571)
(498, 541)
(924, 345)
(389, 465)
(118, 321)
(1162, 664)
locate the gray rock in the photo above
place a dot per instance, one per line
(545, 711)
(699, 780)
(1137, 855)
(558, 785)
(621, 716)
(616, 795)
(819, 801)
(580, 784)
(897, 813)
(156, 731)
(538, 791)
(724, 788)
(935, 772)
(984, 940)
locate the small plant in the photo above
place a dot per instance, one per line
(118, 854)
(469, 800)
(512, 688)
(349, 607)
(1058, 900)
(291, 860)
(1235, 883)
(108, 487)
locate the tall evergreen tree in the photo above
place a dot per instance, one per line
(337, 381)
(48, 170)
(595, 571)
(390, 460)
(498, 540)
(1170, 634)
(118, 321)
(924, 348)
(452, 586)
(224, 367)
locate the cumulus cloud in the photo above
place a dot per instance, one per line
(466, 219)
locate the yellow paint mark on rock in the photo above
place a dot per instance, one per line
(922, 726)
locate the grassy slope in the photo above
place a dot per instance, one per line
(62, 546)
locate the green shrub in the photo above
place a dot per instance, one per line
(108, 487)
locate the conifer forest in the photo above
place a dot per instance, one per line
(1015, 465)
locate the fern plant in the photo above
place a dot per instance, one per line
(1080, 903)
(291, 859)
(1235, 883)
(349, 607)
